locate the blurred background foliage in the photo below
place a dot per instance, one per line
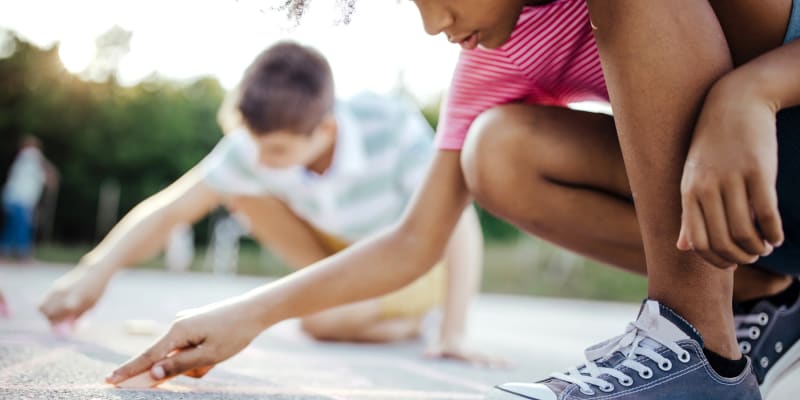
(96, 131)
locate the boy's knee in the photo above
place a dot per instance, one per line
(323, 328)
(316, 328)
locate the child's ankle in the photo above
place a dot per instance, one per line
(787, 295)
(756, 284)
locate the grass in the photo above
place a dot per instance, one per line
(525, 267)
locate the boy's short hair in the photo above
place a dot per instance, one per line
(287, 87)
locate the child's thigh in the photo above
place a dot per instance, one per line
(786, 259)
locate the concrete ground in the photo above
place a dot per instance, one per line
(538, 335)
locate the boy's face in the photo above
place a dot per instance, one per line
(470, 23)
(285, 149)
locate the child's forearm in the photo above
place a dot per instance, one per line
(378, 265)
(464, 259)
(772, 77)
(368, 269)
(144, 230)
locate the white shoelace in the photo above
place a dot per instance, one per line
(748, 328)
(761, 319)
(636, 341)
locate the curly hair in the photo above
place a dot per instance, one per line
(295, 9)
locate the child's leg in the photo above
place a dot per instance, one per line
(659, 60)
(361, 322)
(276, 227)
(17, 230)
(570, 163)
(558, 174)
(26, 232)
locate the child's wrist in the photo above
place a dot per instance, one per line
(265, 308)
(96, 268)
(750, 85)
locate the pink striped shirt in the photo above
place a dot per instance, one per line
(550, 59)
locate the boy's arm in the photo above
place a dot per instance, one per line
(228, 116)
(275, 226)
(407, 251)
(137, 237)
(463, 259)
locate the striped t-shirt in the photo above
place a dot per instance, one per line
(550, 59)
(383, 149)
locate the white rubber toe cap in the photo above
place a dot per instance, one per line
(520, 391)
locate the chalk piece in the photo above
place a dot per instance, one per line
(64, 328)
(141, 381)
(140, 327)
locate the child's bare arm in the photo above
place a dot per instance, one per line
(464, 259)
(731, 168)
(228, 116)
(370, 268)
(773, 77)
(277, 228)
(137, 237)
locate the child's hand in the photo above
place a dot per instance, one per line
(195, 343)
(730, 206)
(460, 353)
(73, 294)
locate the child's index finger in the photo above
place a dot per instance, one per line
(142, 363)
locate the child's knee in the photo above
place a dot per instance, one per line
(484, 155)
(321, 328)
(496, 149)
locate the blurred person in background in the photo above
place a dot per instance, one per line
(30, 174)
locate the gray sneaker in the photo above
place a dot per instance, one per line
(660, 357)
(770, 336)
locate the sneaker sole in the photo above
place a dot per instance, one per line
(789, 360)
(500, 394)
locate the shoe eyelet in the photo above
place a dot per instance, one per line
(665, 366)
(627, 381)
(684, 357)
(646, 374)
(589, 392)
(779, 347)
(755, 333)
(763, 319)
(608, 388)
(764, 362)
(745, 347)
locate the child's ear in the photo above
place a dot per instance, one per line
(328, 126)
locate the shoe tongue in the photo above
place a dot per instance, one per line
(656, 317)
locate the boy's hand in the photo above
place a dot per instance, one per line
(73, 294)
(730, 206)
(195, 343)
(459, 352)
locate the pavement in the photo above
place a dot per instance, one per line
(539, 335)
